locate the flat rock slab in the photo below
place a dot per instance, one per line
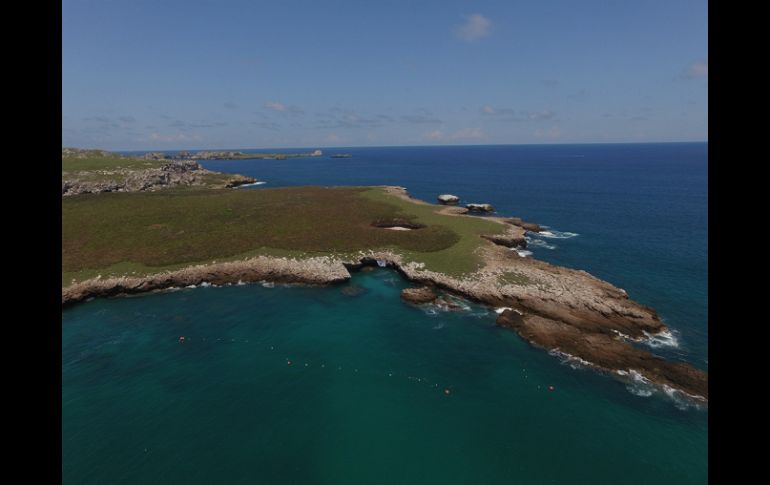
(606, 351)
(480, 207)
(418, 295)
(529, 226)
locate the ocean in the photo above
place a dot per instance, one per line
(312, 385)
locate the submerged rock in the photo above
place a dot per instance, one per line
(450, 304)
(418, 295)
(353, 290)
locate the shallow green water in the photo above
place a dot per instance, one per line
(363, 400)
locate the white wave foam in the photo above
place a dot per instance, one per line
(663, 339)
(539, 243)
(523, 252)
(251, 185)
(445, 307)
(205, 284)
(500, 310)
(638, 377)
(554, 234)
(623, 336)
(573, 361)
(637, 391)
(681, 399)
(382, 263)
(481, 314)
(268, 284)
(639, 385)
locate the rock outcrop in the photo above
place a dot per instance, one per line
(87, 153)
(480, 207)
(155, 156)
(236, 155)
(529, 226)
(606, 352)
(556, 308)
(418, 295)
(315, 271)
(514, 237)
(123, 180)
(238, 180)
(448, 199)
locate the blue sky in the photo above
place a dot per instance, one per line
(167, 74)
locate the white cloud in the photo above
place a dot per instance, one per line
(468, 134)
(276, 106)
(698, 70)
(475, 27)
(177, 137)
(283, 108)
(554, 133)
(540, 115)
(460, 135)
(499, 112)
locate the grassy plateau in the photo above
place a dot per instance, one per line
(147, 232)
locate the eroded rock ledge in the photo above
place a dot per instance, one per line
(560, 308)
(605, 352)
(124, 180)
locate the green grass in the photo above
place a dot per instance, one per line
(457, 259)
(93, 163)
(92, 168)
(146, 232)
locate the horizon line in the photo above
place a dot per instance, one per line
(392, 146)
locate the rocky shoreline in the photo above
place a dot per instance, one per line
(177, 173)
(556, 308)
(596, 331)
(228, 155)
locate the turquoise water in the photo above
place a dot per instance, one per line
(224, 405)
(363, 400)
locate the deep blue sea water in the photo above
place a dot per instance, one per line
(370, 406)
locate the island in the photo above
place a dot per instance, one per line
(229, 155)
(95, 171)
(130, 240)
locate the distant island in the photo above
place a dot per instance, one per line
(228, 155)
(167, 223)
(342, 155)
